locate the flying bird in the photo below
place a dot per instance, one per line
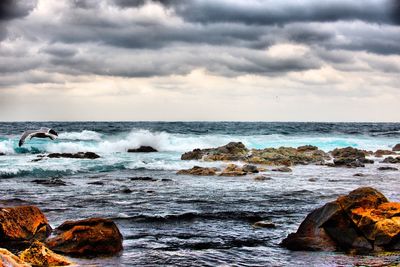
(41, 133)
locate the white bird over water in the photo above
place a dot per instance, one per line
(41, 133)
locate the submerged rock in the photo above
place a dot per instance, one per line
(391, 160)
(201, 171)
(282, 169)
(262, 178)
(396, 148)
(8, 259)
(90, 237)
(387, 168)
(39, 255)
(50, 182)
(20, 224)
(264, 224)
(142, 149)
(362, 221)
(79, 155)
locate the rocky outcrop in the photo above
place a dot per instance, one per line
(362, 221)
(20, 224)
(233, 170)
(380, 152)
(142, 149)
(8, 259)
(350, 157)
(387, 168)
(200, 171)
(79, 155)
(39, 255)
(90, 237)
(236, 151)
(396, 148)
(391, 160)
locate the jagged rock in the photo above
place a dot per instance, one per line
(90, 237)
(201, 171)
(7, 259)
(387, 168)
(79, 155)
(142, 149)
(264, 224)
(39, 255)
(396, 148)
(233, 170)
(349, 152)
(231, 151)
(391, 160)
(282, 169)
(21, 224)
(362, 221)
(307, 148)
(380, 152)
(350, 157)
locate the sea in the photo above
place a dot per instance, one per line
(179, 220)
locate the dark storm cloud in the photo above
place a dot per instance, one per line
(11, 9)
(59, 51)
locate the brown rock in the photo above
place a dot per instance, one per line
(23, 223)
(230, 151)
(233, 170)
(201, 171)
(380, 152)
(307, 148)
(90, 237)
(39, 255)
(250, 168)
(391, 160)
(142, 149)
(262, 178)
(264, 224)
(7, 259)
(79, 155)
(396, 148)
(282, 169)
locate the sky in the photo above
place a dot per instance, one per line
(239, 60)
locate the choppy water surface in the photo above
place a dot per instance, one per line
(185, 220)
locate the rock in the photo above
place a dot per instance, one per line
(201, 171)
(22, 223)
(143, 149)
(396, 148)
(362, 221)
(359, 174)
(262, 178)
(143, 178)
(90, 237)
(50, 182)
(387, 168)
(2, 154)
(349, 152)
(250, 168)
(391, 160)
(312, 179)
(79, 155)
(233, 170)
(380, 152)
(347, 162)
(39, 255)
(350, 157)
(126, 190)
(307, 148)
(96, 183)
(7, 259)
(282, 169)
(264, 224)
(228, 152)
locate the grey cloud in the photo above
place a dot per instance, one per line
(59, 51)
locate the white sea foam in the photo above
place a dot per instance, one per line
(6, 147)
(85, 135)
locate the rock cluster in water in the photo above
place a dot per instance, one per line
(362, 221)
(26, 229)
(79, 155)
(230, 170)
(142, 149)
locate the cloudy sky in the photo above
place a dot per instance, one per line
(293, 60)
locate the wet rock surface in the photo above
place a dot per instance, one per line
(50, 182)
(142, 149)
(350, 157)
(79, 155)
(387, 168)
(391, 160)
(362, 221)
(21, 224)
(8, 259)
(87, 238)
(196, 170)
(39, 255)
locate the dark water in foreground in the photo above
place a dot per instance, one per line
(192, 221)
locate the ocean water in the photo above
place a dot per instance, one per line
(176, 220)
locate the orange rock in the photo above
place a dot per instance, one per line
(233, 170)
(196, 170)
(90, 237)
(39, 255)
(7, 259)
(23, 223)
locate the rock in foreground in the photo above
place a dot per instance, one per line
(20, 224)
(362, 221)
(7, 259)
(87, 238)
(39, 255)
(142, 149)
